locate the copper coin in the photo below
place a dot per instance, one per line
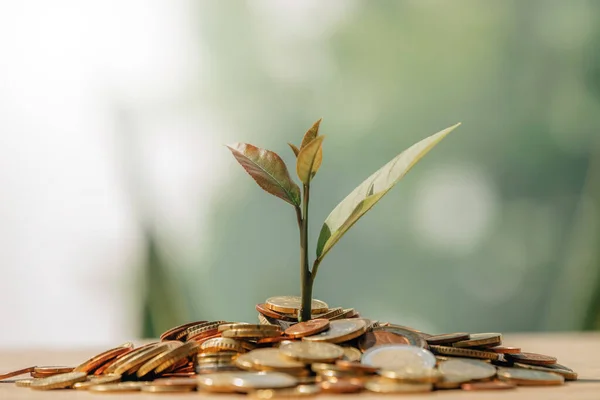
(262, 308)
(447, 338)
(100, 370)
(200, 341)
(493, 385)
(414, 337)
(179, 365)
(172, 333)
(205, 335)
(532, 358)
(44, 372)
(355, 366)
(16, 373)
(504, 350)
(97, 361)
(342, 386)
(307, 328)
(377, 338)
(275, 339)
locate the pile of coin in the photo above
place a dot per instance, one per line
(335, 352)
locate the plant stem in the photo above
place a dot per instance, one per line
(315, 268)
(306, 276)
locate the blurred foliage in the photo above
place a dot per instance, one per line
(481, 236)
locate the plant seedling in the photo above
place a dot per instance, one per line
(271, 173)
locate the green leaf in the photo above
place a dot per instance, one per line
(311, 134)
(268, 170)
(309, 160)
(294, 149)
(368, 193)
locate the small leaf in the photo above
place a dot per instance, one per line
(294, 149)
(309, 160)
(311, 134)
(268, 170)
(368, 193)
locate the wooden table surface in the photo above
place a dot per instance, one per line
(579, 351)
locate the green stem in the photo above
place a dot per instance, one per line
(306, 276)
(315, 268)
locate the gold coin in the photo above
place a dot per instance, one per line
(173, 333)
(24, 382)
(447, 384)
(220, 355)
(346, 313)
(97, 380)
(466, 370)
(131, 365)
(292, 304)
(152, 388)
(222, 344)
(190, 382)
(332, 313)
(480, 340)
(59, 381)
(398, 356)
(168, 358)
(200, 329)
(528, 377)
(268, 359)
(461, 352)
(125, 358)
(312, 351)
(118, 387)
(351, 353)
(383, 385)
(340, 331)
(266, 321)
(251, 333)
(448, 338)
(288, 393)
(567, 373)
(415, 375)
(249, 381)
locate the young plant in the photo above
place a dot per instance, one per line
(271, 174)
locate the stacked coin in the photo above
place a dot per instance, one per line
(336, 352)
(210, 363)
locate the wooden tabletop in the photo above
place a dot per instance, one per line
(579, 351)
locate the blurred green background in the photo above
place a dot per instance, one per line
(121, 204)
(495, 230)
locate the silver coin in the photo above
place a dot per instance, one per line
(466, 370)
(398, 356)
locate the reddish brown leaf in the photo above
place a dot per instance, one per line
(268, 170)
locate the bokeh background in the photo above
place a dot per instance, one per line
(122, 214)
